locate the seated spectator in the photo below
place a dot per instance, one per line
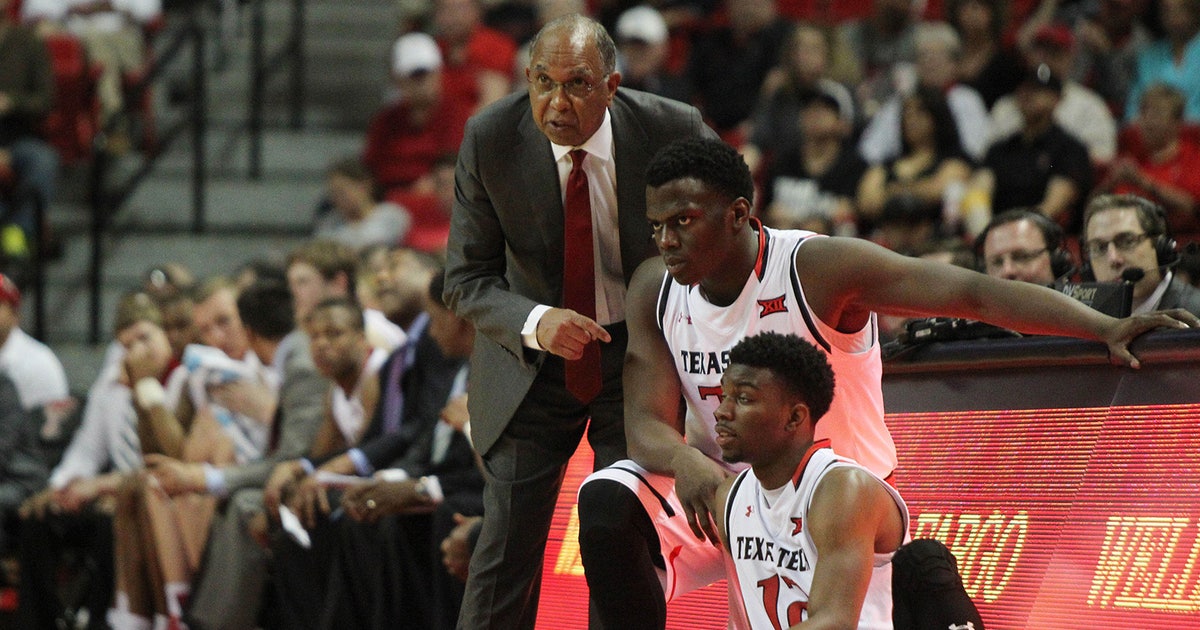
(478, 59)
(642, 48)
(729, 63)
(802, 70)
(1125, 232)
(406, 136)
(884, 46)
(1174, 59)
(1023, 245)
(1041, 165)
(34, 369)
(112, 32)
(26, 95)
(404, 424)
(1109, 39)
(323, 269)
(215, 414)
(399, 519)
(76, 511)
(400, 284)
(931, 162)
(938, 52)
(179, 323)
(338, 341)
(986, 64)
(370, 261)
(907, 225)
(813, 185)
(1080, 110)
(226, 592)
(359, 218)
(258, 270)
(1162, 165)
(429, 204)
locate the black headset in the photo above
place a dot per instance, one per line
(1151, 216)
(1061, 263)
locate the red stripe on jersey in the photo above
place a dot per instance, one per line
(760, 265)
(816, 446)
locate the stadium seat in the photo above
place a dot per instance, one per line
(73, 122)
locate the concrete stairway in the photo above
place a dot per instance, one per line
(346, 51)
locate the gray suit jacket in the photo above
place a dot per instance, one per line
(299, 414)
(505, 254)
(1180, 294)
(22, 469)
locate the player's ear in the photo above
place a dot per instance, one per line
(740, 211)
(800, 416)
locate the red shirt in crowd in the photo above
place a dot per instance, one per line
(399, 153)
(1182, 171)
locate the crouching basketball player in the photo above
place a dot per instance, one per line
(811, 534)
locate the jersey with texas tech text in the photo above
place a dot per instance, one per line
(700, 335)
(773, 551)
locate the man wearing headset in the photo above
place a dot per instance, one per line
(1023, 244)
(1123, 232)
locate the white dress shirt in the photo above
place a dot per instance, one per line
(34, 369)
(601, 170)
(104, 434)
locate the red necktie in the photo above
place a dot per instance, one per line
(579, 277)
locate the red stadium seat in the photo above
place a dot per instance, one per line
(74, 120)
(430, 226)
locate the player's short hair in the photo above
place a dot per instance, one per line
(713, 162)
(136, 307)
(1167, 93)
(266, 309)
(329, 258)
(574, 21)
(350, 306)
(799, 364)
(1151, 216)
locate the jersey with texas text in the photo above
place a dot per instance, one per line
(773, 552)
(700, 335)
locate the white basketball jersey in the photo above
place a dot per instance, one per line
(701, 334)
(773, 551)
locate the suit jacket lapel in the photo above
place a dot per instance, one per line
(631, 149)
(535, 162)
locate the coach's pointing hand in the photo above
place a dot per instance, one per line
(564, 332)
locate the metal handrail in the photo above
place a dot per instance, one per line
(263, 68)
(106, 199)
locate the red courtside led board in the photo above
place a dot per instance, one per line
(1078, 516)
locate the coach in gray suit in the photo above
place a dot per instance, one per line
(505, 274)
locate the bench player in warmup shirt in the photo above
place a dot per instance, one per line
(811, 534)
(646, 532)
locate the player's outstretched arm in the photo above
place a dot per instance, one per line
(845, 279)
(654, 421)
(1122, 332)
(852, 517)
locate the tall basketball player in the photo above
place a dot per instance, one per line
(647, 534)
